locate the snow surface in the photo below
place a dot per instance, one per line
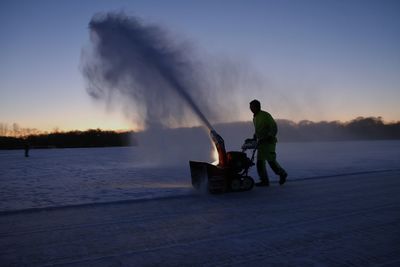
(60, 177)
(108, 207)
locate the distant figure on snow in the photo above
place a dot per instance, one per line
(26, 148)
(265, 134)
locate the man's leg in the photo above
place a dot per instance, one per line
(278, 170)
(261, 168)
(262, 173)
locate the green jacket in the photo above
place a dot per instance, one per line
(265, 127)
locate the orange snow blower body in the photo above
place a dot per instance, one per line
(231, 172)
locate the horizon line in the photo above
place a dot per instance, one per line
(17, 131)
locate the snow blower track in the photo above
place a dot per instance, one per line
(343, 220)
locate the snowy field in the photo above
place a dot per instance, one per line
(62, 177)
(110, 207)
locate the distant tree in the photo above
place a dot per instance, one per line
(15, 127)
(3, 129)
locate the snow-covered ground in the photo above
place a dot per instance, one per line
(60, 177)
(109, 207)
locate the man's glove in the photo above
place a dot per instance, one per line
(249, 143)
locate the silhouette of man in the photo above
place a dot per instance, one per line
(265, 134)
(26, 148)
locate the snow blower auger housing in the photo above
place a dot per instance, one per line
(231, 172)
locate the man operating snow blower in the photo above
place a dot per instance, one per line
(265, 134)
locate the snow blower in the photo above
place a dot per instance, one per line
(231, 172)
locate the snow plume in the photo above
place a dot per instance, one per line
(155, 78)
(161, 83)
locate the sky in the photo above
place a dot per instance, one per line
(313, 60)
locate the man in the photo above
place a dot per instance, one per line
(265, 134)
(26, 148)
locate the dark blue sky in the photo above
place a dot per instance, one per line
(317, 60)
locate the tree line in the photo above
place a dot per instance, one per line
(71, 139)
(16, 130)
(371, 128)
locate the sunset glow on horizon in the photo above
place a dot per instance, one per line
(304, 60)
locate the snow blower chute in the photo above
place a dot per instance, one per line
(231, 172)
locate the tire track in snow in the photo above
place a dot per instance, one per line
(229, 236)
(236, 235)
(228, 204)
(189, 194)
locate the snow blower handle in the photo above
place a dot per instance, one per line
(249, 143)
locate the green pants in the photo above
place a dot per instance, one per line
(266, 152)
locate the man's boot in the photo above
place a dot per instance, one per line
(282, 178)
(279, 171)
(262, 173)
